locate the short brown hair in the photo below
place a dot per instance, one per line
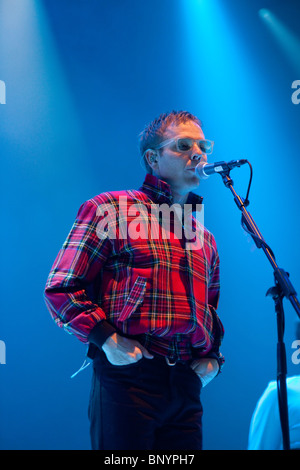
(153, 133)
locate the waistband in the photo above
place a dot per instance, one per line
(177, 349)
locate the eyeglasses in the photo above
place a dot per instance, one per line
(184, 144)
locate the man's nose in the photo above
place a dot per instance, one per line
(198, 156)
(197, 153)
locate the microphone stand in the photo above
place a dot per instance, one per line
(283, 288)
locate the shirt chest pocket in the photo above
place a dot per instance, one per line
(135, 297)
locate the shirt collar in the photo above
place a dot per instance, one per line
(160, 192)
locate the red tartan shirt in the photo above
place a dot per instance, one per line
(118, 270)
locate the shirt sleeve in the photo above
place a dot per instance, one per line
(265, 431)
(76, 268)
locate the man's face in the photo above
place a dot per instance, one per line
(178, 168)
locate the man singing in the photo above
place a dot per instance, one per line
(144, 297)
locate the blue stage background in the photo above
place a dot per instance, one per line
(82, 79)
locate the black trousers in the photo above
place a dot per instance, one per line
(148, 405)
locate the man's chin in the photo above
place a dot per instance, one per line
(194, 183)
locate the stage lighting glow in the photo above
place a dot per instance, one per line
(210, 46)
(264, 13)
(219, 72)
(46, 108)
(285, 38)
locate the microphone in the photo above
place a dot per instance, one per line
(204, 170)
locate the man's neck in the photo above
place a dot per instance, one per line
(179, 198)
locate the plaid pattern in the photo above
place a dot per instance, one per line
(154, 289)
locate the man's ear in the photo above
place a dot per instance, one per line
(151, 157)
